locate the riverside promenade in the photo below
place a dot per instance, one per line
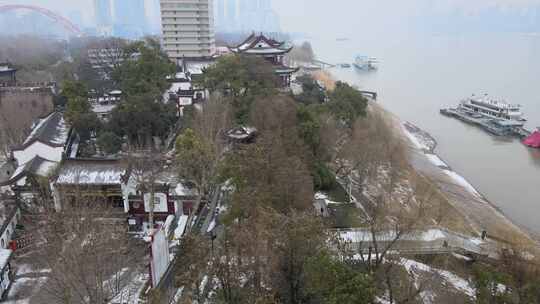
(431, 241)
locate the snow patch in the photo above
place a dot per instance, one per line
(456, 281)
(434, 159)
(181, 228)
(461, 181)
(211, 226)
(414, 140)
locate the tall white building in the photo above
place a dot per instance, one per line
(188, 28)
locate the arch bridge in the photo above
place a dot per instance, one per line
(64, 22)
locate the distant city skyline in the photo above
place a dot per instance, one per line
(103, 13)
(376, 17)
(246, 16)
(130, 20)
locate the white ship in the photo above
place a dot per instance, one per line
(488, 107)
(366, 63)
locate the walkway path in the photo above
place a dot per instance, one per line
(430, 241)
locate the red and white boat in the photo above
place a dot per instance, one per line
(533, 140)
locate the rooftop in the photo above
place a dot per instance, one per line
(51, 130)
(37, 166)
(261, 45)
(5, 255)
(6, 67)
(91, 172)
(197, 67)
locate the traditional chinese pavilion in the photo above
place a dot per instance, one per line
(271, 50)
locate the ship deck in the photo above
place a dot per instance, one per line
(488, 124)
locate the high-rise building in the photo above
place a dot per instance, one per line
(102, 10)
(129, 18)
(188, 28)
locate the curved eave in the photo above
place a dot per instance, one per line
(262, 52)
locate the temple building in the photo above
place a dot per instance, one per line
(271, 50)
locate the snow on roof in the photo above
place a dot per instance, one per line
(177, 86)
(181, 227)
(265, 51)
(7, 212)
(51, 130)
(242, 133)
(91, 172)
(180, 75)
(37, 166)
(183, 190)
(5, 255)
(197, 67)
(102, 109)
(115, 92)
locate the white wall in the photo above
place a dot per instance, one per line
(128, 189)
(38, 149)
(5, 238)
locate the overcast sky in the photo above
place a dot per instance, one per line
(348, 16)
(319, 16)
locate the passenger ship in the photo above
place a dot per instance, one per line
(492, 108)
(366, 63)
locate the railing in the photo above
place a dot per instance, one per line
(451, 242)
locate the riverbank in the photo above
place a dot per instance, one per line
(475, 213)
(481, 213)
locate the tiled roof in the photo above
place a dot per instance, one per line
(51, 130)
(92, 172)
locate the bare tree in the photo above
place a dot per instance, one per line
(192, 266)
(201, 148)
(146, 168)
(9, 136)
(87, 250)
(106, 55)
(372, 163)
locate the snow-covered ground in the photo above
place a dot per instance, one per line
(461, 181)
(452, 279)
(436, 160)
(26, 285)
(323, 196)
(417, 142)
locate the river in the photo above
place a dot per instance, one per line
(420, 74)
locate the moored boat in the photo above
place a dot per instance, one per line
(366, 63)
(498, 109)
(533, 140)
(494, 116)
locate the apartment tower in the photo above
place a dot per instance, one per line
(188, 28)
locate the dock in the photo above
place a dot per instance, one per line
(370, 94)
(493, 126)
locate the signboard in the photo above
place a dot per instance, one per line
(160, 202)
(159, 257)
